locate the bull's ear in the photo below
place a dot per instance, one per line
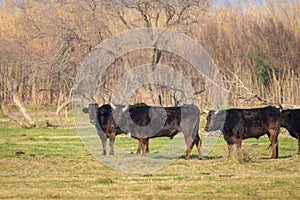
(85, 110)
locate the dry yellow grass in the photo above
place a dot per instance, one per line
(56, 165)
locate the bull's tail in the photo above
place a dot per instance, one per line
(197, 140)
(196, 129)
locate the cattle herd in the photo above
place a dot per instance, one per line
(144, 122)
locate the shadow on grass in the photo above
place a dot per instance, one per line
(213, 157)
(195, 156)
(279, 157)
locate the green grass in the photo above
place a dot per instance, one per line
(57, 165)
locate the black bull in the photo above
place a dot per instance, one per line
(144, 122)
(291, 121)
(239, 124)
(105, 124)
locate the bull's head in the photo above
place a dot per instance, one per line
(93, 112)
(215, 120)
(120, 115)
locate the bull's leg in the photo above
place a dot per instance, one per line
(112, 137)
(230, 150)
(103, 141)
(189, 145)
(139, 147)
(144, 145)
(198, 143)
(238, 146)
(273, 136)
(147, 146)
(298, 146)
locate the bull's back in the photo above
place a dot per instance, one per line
(176, 118)
(247, 123)
(256, 117)
(291, 121)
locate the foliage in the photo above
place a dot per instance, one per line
(43, 43)
(258, 63)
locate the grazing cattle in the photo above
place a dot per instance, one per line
(291, 121)
(144, 122)
(102, 118)
(105, 124)
(239, 124)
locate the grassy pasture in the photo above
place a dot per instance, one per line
(57, 165)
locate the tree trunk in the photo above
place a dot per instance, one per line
(23, 111)
(13, 117)
(21, 107)
(57, 117)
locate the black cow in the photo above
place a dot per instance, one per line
(239, 124)
(105, 124)
(102, 117)
(144, 122)
(291, 121)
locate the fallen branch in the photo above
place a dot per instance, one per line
(24, 113)
(12, 116)
(21, 107)
(268, 102)
(249, 92)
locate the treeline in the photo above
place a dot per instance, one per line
(256, 48)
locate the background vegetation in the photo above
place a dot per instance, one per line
(255, 47)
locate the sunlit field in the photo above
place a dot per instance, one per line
(53, 163)
(58, 57)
